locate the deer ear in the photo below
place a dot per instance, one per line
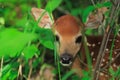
(43, 17)
(95, 19)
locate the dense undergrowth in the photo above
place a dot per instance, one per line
(25, 48)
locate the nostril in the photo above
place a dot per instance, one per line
(66, 58)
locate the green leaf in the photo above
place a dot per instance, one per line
(30, 51)
(117, 73)
(86, 75)
(111, 70)
(5, 77)
(6, 68)
(46, 38)
(13, 41)
(105, 4)
(9, 71)
(52, 4)
(6, 72)
(66, 76)
(89, 9)
(87, 12)
(2, 21)
(76, 11)
(89, 32)
(13, 75)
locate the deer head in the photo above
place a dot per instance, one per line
(68, 33)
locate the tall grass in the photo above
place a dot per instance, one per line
(22, 41)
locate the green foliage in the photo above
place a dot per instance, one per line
(68, 74)
(91, 8)
(115, 74)
(9, 72)
(2, 21)
(22, 40)
(86, 75)
(87, 12)
(30, 51)
(52, 4)
(46, 38)
(13, 42)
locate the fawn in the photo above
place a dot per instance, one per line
(68, 33)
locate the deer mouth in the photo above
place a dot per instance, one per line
(66, 59)
(63, 63)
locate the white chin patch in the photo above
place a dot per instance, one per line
(66, 64)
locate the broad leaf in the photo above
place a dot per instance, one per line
(30, 51)
(13, 41)
(52, 4)
(46, 38)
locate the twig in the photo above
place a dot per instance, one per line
(111, 61)
(30, 71)
(82, 62)
(112, 2)
(62, 10)
(20, 72)
(115, 49)
(1, 65)
(93, 2)
(103, 47)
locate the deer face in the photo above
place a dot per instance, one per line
(69, 41)
(67, 32)
(68, 38)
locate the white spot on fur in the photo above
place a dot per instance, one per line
(117, 40)
(101, 74)
(103, 60)
(112, 59)
(93, 59)
(115, 52)
(101, 65)
(92, 53)
(114, 65)
(106, 62)
(110, 39)
(93, 45)
(107, 49)
(99, 42)
(106, 75)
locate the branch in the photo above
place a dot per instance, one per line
(62, 10)
(93, 2)
(30, 71)
(1, 66)
(111, 62)
(104, 44)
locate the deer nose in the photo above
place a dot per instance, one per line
(66, 59)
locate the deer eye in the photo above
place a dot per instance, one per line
(78, 39)
(56, 38)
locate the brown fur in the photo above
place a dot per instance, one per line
(67, 34)
(67, 28)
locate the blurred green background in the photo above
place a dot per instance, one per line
(25, 48)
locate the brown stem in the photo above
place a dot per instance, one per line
(30, 71)
(103, 46)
